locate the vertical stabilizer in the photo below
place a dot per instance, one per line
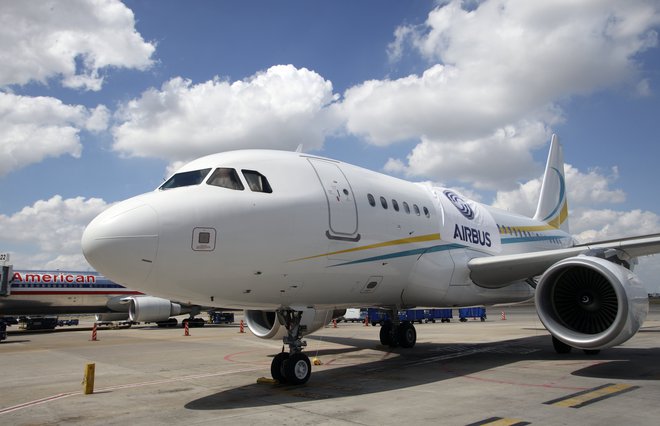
(553, 205)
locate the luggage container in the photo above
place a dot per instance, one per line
(377, 316)
(444, 315)
(474, 312)
(414, 315)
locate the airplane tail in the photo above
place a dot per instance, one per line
(553, 205)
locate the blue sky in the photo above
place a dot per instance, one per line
(100, 100)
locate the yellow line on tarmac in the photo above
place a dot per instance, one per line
(580, 399)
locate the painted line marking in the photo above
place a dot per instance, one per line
(37, 402)
(589, 396)
(500, 421)
(117, 387)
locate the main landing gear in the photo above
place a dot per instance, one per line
(395, 333)
(292, 367)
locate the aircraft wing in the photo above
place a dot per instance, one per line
(499, 271)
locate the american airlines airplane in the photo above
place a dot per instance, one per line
(293, 238)
(75, 292)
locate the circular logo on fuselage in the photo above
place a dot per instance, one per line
(460, 204)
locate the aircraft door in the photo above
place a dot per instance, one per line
(342, 208)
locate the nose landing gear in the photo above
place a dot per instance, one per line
(293, 367)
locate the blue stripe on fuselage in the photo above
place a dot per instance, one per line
(414, 252)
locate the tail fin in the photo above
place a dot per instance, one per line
(553, 205)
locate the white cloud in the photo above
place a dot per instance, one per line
(584, 190)
(589, 225)
(279, 108)
(74, 39)
(395, 166)
(395, 49)
(33, 128)
(47, 234)
(597, 225)
(490, 162)
(98, 119)
(498, 64)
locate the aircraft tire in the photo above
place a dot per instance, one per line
(407, 335)
(277, 367)
(297, 369)
(560, 347)
(386, 334)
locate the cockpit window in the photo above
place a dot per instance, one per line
(194, 177)
(257, 182)
(226, 178)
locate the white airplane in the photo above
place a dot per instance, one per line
(76, 292)
(292, 238)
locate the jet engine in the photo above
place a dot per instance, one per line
(590, 302)
(112, 316)
(149, 308)
(265, 324)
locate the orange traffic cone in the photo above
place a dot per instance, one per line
(503, 316)
(186, 331)
(242, 328)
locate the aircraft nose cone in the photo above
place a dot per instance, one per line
(121, 243)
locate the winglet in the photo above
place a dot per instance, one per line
(300, 148)
(553, 204)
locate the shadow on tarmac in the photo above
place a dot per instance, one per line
(428, 363)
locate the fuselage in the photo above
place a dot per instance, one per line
(62, 292)
(269, 229)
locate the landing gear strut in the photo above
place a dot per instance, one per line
(292, 367)
(394, 333)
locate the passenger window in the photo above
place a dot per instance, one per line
(191, 178)
(372, 200)
(395, 205)
(426, 212)
(416, 209)
(257, 182)
(226, 178)
(406, 208)
(383, 202)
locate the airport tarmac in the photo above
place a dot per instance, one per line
(493, 372)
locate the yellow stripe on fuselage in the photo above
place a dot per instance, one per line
(410, 240)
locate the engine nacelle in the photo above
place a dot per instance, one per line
(591, 303)
(150, 309)
(265, 324)
(112, 316)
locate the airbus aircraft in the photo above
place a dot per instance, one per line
(74, 292)
(292, 238)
